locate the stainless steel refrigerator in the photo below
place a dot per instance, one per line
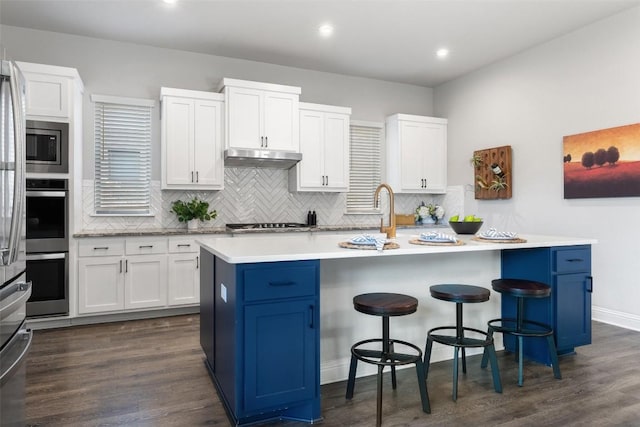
(15, 338)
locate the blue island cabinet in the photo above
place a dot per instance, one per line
(567, 269)
(260, 334)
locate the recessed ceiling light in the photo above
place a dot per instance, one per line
(326, 30)
(442, 53)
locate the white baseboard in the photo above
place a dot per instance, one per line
(616, 318)
(62, 322)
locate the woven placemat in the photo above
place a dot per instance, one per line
(348, 245)
(422, 242)
(516, 240)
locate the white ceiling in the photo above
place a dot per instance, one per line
(391, 40)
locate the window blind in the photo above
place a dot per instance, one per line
(122, 156)
(365, 166)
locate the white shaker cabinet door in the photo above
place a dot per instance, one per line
(245, 118)
(100, 284)
(336, 151)
(145, 281)
(311, 167)
(281, 121)
(184, 279)
(207, 144)
(178, 126)
(412, 149)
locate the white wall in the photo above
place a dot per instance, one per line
(584, 81)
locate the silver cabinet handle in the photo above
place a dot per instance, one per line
(184, 245)
(197, 177)
(126, 265)
(120, 266)
(327, 176)
(266, 141)
(41, 257)
(197, 262)
(262, 141)
(145, 246)
(191, 176)
(100, 248)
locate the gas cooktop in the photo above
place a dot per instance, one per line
(267, 226)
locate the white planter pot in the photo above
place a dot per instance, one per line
(193, 224)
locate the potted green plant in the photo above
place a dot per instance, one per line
(193, 211)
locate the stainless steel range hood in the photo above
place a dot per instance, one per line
(236, 157)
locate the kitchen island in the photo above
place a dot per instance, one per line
(277, 317)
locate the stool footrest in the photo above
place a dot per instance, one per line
(455, 341)
(385, 359)
(528, 328)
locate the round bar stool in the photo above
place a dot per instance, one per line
(461, 294)
(520, 327)
(386, 305)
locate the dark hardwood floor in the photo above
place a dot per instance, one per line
(151, 373)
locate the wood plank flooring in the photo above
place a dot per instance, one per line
(151, 373)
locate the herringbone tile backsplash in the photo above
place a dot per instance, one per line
(259, 195)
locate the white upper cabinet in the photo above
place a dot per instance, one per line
(261, 116)
(192, 140)
(324, 144)
(49, 91)
(416, 154)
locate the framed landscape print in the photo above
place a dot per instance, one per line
(602, 163)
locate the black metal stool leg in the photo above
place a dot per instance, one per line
(455, 373)
(427, 356)
(553, 353)
(460, 335)
(520, 362)
(424, 396)
(485, 355)
(352, 377)
(495, 372)
(387, 349)
(379, 399)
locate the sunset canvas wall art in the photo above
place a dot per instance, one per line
(602, 163)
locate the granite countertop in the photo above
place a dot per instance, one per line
(223, 231)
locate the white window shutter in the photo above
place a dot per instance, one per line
(365, 166)
(122, 156)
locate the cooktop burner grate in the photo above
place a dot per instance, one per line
(266, 226)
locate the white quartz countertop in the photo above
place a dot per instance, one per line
(306, 246)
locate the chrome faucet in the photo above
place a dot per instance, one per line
(391, 229)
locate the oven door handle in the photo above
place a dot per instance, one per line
(40, 257)
(46, 194)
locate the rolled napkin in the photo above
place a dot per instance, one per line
(432, 236)
(368, 239)
(492, 233)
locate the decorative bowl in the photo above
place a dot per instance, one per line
(465, 227)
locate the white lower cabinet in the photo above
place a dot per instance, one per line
(136, 274)
(145, 281)
(184, 272)
(101, 284)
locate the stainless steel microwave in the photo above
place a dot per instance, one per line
(47, 146)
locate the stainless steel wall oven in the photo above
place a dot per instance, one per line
(47, 233)
(47, 146)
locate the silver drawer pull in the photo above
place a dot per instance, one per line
(184, 245)
(145, 246)
(101, 248)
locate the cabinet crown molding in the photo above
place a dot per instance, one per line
(227, 82)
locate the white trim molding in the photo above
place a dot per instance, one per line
(616, 318)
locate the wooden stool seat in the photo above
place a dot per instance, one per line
(386, 305)
(461, 294)
(520, 327)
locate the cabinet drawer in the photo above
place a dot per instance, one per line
(146, 246)
(177, 246)
(573, 260)
(102, 247)
(275, 283)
